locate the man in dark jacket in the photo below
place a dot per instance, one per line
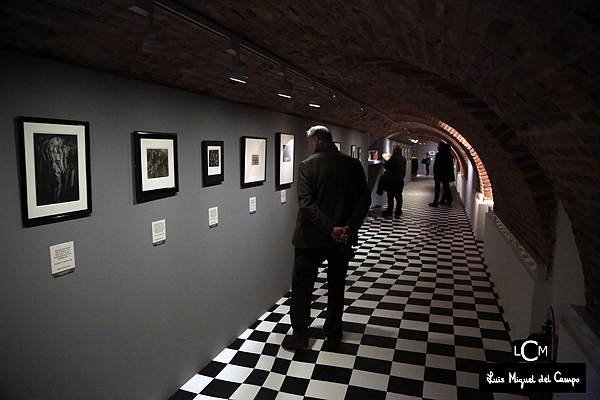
(334, 200)
(443, 173)
(395, 169)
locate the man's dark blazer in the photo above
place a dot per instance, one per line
(332, 191)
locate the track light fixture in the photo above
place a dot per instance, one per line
(313, 100)
(155, 41)
(239, 72)
(286, 89)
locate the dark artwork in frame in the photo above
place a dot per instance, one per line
(213, 172)
(54, 168)
(155, 165)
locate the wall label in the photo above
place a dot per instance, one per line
(62, 259)
(213, 217)
(159, 232)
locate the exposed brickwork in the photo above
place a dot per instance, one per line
(518, 80)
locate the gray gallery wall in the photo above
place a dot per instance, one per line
(136, 321)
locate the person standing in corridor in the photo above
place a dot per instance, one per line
(396, 171)
(443, 173)
(334, 199)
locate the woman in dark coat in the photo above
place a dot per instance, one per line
(443, 173)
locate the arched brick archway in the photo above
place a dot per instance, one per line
(428, 128)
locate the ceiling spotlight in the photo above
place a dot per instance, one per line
(313, 103)
(286, 89)
(155, 41)
(239, 72)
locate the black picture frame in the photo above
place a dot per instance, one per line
(284, 166)
(253, 160)
(54, 168)
(155, 165)
(213, 172)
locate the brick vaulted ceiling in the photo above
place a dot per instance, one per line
(519, 80)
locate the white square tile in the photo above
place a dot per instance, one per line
(438, 361)
(326, 390)
(467, 379)
(234, 373)
(432, 390)
(196, 384)
(336, 359)
(378, 353)
(409, 371)
(225, 356)
(369, 380)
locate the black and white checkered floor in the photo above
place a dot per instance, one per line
(421, 315)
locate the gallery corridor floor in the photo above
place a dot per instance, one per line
(421, 315)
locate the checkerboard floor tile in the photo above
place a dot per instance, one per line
(421, 314)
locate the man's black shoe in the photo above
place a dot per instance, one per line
(434, 204)
(295, 342)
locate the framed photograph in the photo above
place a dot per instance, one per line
(55, 173)
(353, 151)
(338, 145)
(212, 163)
(285, 155)
(253, 160)
(360, 153)
(155, 165)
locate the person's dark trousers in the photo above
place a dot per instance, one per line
(306, 269)
(395, 193)
(427, 169)
(447, 194)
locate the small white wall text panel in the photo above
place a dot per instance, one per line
(252, 205)
(62, 259)
(283, 196)
(213, 217)
(159, 232)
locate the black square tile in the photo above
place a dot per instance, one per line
(266, 394)
(212, 369)
(331, 373)
(441, 328)
(281, 366)
(259, 336)
(373, 365)
(378, 341)
(410, 357)
(466, 322)
(405, 386)
(440, 375)
(415, 316)
(220, 389)
(244, 359)
(494, 334)
(383, 321)
(413, 335)
(468, 341)
(441, 349)
(183, 395)
(257, 377)
(294, 385)
(360, 393)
